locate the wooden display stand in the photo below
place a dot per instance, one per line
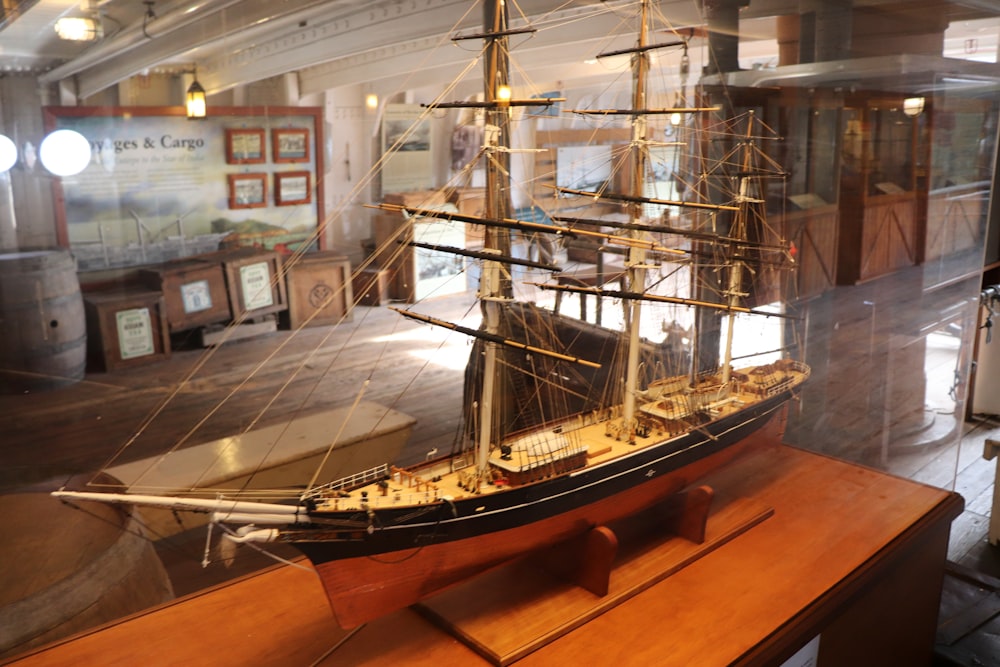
(194, 292)
(851, 558)
(562, 588)
(319, 290)
(125, 329)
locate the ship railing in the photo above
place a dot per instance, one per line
(350, 482)
(772, 384)
(799, 366)
(385, 497)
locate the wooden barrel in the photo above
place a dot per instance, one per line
(43, 329)
(66, 569)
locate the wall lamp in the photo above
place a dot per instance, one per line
(195, 104)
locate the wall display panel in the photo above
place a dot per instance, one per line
(406, 145)
(159, 187)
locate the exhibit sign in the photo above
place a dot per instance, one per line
(406, 149)
(135, 333)
(159, 186)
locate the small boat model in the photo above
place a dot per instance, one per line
(387, 537)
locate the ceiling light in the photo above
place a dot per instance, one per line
(913, 106)
(78, 29)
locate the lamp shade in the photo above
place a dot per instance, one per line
(196, 106)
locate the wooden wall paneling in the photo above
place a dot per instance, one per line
(883, 190)
(955, 220)
(888, 238)
(814, 234)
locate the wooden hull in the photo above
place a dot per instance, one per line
(368, 575)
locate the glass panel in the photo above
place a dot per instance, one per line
(886, 140)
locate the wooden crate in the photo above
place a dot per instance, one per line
(371, 287)
(194, 291)
(395, 256)
(125, 329)
(417, 198)
(319, 290)
(392, 253)
(253, 281)
(471, 201)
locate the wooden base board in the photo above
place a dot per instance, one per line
(520, 607)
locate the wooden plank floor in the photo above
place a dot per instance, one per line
(974, 480)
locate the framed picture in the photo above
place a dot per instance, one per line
(247, 190)
(290, 145)
(291, 188)
(245, 146)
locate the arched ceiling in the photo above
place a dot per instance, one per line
(390, 44)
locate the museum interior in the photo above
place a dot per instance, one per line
(357, 332)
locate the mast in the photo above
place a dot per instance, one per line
(493, 288)
(734, 291)
(635, 263)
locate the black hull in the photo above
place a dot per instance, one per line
(442, 522)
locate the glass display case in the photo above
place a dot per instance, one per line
(881, 203)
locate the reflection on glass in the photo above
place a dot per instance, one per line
(65, 152)
(8, 153)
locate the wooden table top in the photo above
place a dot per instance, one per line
(831, 520)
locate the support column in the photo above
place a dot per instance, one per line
(723, 19)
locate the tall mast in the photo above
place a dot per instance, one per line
(734, 291)
(496, 91)
(493, 286)
(636, 269)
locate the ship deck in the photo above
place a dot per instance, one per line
(548, 450)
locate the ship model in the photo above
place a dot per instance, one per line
(388, 537)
